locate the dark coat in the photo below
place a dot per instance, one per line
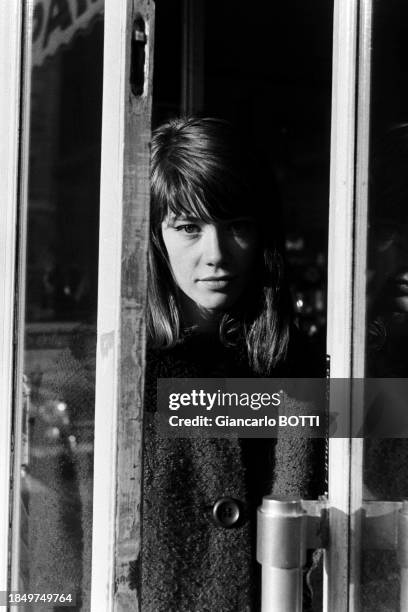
(189, 564)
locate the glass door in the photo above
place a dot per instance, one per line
(367, 310)
(57, 289)
(10, 60)
(75, 212)
(385, 453)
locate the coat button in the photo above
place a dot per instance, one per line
(227, 512)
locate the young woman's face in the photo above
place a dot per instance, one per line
(212, 263)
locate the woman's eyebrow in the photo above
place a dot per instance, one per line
(183, 217)
(173, 218)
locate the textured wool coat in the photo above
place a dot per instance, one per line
(190, 564)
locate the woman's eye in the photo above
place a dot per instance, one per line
(188, 228)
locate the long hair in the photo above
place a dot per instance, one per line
(200, 167)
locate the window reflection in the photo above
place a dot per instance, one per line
(385, 460)
(56, 436)
(388, 257)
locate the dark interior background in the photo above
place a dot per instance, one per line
(269, 72)
(389, 83)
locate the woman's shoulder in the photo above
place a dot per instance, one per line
(185, 359)
(198, 356)
(203, 357)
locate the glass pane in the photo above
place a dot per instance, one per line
(386, 460)
(268, 72)
(52, 550)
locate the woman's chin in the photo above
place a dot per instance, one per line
(216, 302)
(215, 306)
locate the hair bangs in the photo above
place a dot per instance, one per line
(208, 198)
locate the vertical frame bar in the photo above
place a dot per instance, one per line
(20, 289)
(124, 214)
(340, 274)
(10, 66)
(362, 177)
(347, 290)
(359, 297)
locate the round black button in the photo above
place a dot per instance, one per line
(227, 512)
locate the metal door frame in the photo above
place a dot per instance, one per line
(11, 41)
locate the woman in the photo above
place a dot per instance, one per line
(218, 307)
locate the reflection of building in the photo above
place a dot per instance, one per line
(56, 24)
(65, 128)
(62, 267)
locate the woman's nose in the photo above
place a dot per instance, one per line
(214, 246)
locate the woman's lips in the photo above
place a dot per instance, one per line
(214, 282)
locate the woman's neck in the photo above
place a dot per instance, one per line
(198, 319)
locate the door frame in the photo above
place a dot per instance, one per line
(122, 287)
(11, 41)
